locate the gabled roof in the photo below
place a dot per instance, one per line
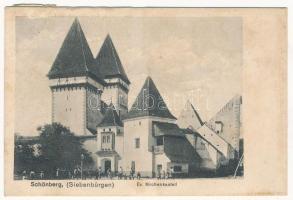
(111, 118)
(189, 117)
(149, 102)
(167, 129)
(75, 57)
(179, 149)
(109, 62)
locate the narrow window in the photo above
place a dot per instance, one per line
(109, 129)
(104, 139)
(139, 122)
(108, 139)
(219, 126)
(137, 143)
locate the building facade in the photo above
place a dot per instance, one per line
(90, 96)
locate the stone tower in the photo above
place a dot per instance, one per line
(147, 108)
(117, 87)
(76, 84)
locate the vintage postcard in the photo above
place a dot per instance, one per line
(145, 101)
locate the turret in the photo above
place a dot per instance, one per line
(117, 82)
(76, 84)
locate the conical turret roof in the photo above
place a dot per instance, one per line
(111, 118)
(75, 57)
(109, 61)
(149, 102)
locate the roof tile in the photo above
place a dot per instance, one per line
(75, 57)
(109, 62)
(149, 102)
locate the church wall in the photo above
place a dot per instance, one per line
(123, 101)
(212, 159)
(93, 106)
(119, 145)
(161, 159)
(188, 119)
(218, 142)
(70, 105)
(191, 139)
(117, 96)
(142, 156)
(229, 116)
(144, 159)
(206, 153)
(68, 108)
(110, 94)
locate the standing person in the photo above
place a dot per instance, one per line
(42, 175)
(57, 173)
(99, 173)
(24, 175)
(120, 174)
(75, 173)
(171, 172)
(132, 172)
(159, 174)
(109, 173)
(164, 174)
(167, 175)
(32, 175)
(138, 175)
(69, 175)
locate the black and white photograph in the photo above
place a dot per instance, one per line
(129, 101)
(182, 118)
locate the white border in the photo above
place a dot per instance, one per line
(160, 3)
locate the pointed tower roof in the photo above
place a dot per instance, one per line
(109, 62)
(111, 118)
(149, 102)
(75, 57)
(189, 117)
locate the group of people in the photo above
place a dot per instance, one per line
(77, 173)
(31, 175)
(163, 175)
(107, 173)
(121, 174)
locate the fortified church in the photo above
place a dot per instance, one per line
(90, 96)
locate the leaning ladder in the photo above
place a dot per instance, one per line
(240, 161)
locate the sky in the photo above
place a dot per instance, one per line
(197, 59)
